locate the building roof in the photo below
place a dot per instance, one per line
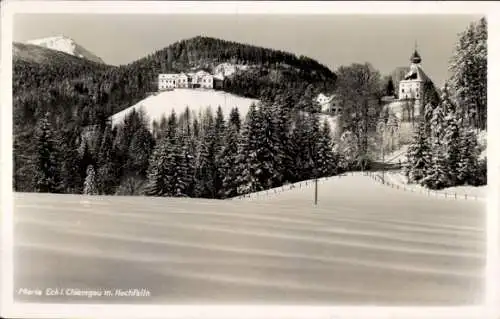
(327, 99)
(167, 75)
(416, 74)
(415, 57)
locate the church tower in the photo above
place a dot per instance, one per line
(412, 86)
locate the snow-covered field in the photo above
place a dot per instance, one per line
(197, 99)
(480, 192)
(364, 243)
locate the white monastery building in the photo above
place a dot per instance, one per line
(200, 79)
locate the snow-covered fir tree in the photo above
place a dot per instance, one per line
(468, 168)
(247, 159)
(218, 134)
(419, 155)
(227, 160)
(313, 134)
(437, 176)
(282, 127)
(90, 186)
(71, 181)
(181, 168)
(326, 160)
(140, 149)
(206, 168)
(46, 177)
(235, 119)
(270, 148)
(453, 146)
(302, 158)
(105, 162)
(451, 139)
(469, 73)
(157, 179)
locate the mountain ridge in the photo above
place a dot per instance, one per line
(110, 89)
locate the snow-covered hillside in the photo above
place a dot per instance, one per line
(67, 45)
(197, 99)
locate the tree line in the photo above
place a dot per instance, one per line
(185, 155)
(445, 149)
(469, 67)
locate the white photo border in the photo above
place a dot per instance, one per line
(10, 8)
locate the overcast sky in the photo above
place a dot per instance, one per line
(383, 40)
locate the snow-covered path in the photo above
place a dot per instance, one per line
(363, 244)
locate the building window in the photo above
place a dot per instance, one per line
(402, 90)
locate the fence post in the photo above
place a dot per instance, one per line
(316, 191)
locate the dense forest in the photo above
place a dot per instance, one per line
(445, 151)
(185, 154)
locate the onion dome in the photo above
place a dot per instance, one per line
(415, 58)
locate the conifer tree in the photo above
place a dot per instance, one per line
(46, 177)
(300, 148)
(171, 126)
(107, 170)
(313, 136)
(90, 186)
(326, 165)
(451, 139)
(234, 118)
(247, 158)
(469, 72)
(282, 128)
(437, 176)
(141, 147)
(187, 150)
(157, 176)
(419, 155)
(270, 151)
(468, 164)
(226, 160)
(71, 182)
(206, 169)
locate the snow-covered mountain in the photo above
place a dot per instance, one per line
(66, 45)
